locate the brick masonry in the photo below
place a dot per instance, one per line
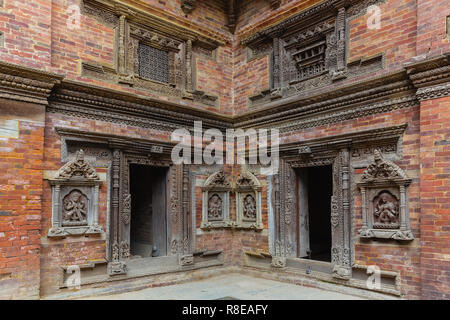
(36, 36)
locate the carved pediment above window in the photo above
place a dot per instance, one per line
(217, 180)
(77, 169)
(155, 39)
(382, 169)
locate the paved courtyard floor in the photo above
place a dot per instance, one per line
(231, 286)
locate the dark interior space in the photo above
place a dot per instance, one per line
(148, 226)
(315, 186)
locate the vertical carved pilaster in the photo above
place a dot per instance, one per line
(96, 195)
(341, 66)
(122, 36)
(185, 252)
(364, 208)
(346, 208)
(115, 266)
(189, 82)
(341, 257)
(403, 224)
(56, 204)
(276, 64)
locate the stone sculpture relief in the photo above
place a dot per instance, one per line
(385, 211)
(75, 209)
(384, 192)
(248, 202)
(216, 194)
(215, 207)
(75, 191)
(249, 208)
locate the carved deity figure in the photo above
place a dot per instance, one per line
(215, 207)
(78, 168)
(249, 207)
(382, 169)
(385, 209)
(74, 206)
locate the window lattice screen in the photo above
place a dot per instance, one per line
(153, 63)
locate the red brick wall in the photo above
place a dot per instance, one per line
(27, 29)
(21, 156)
(431, 27)
(396, 37)
(435, 198)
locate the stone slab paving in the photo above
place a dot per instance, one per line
(231, 286)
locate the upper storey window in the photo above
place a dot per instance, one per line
(153, 63)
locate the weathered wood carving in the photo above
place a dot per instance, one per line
(385, 200)
(248, 201)
(75, 190)
(215, 205)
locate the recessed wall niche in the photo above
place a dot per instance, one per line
(384, 192)
(75, 190)
(215, 205)
(248, 202)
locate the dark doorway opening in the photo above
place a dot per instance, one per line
(148, 226)
(315, 188)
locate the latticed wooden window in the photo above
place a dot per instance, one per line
(153, 63)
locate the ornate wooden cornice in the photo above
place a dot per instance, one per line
(101, 103)
(431, 77)
(26, 84)
(127, 144)
(162, 20)
(376, 92)
(358, 139)
(419, 80)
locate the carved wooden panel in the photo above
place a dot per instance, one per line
(248, 201)
(385, 200)
(75, 191)
(153, 63)
(215, 203)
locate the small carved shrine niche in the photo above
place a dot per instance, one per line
(248, 202)
(215, 204)
(75, 190)
(384, 194)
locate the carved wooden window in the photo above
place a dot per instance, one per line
(385, 201)
(216, 195)
(155, 57)
(310, 60)
(75, 191)
(248, 202)
(153, 63)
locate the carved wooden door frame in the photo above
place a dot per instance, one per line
(285, 196)
(178, 209)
